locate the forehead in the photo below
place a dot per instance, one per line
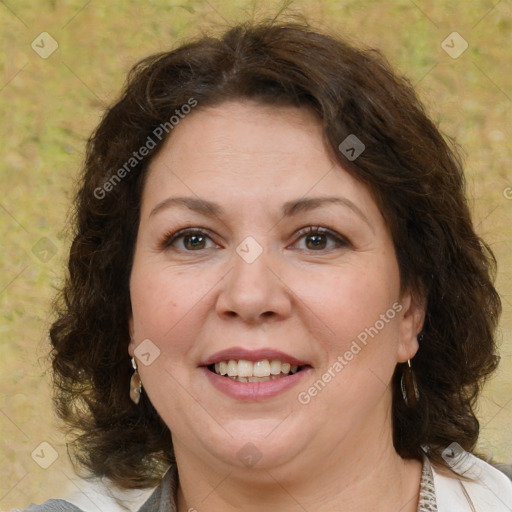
(244, 130)
(247, 152)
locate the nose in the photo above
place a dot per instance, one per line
(254, 292)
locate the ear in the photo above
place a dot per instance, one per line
(131, 345)
(411, 323)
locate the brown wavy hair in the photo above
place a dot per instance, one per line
(414, 174)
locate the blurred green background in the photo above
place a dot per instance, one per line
(49, 103)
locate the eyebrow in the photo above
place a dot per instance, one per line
(201, 206)
(290, 208)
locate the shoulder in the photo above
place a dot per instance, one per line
(53, 506)
(473, 485)
(95, 495)
(99, 495)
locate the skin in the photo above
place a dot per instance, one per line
(310, 301)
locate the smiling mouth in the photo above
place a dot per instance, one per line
(259, 371)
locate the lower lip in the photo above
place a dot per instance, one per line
(254, 391)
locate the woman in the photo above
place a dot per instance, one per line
(275, 289)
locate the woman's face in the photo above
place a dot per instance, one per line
(255, 254)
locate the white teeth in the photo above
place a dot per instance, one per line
(244, 368)
(254, 379)
(275, 367)
(223, 368)
(260, 371)
(232, 368)
(258, 379)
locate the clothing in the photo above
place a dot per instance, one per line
(491, 491)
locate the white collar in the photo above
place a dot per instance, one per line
(489, 490)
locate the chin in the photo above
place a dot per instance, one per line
(257, 444)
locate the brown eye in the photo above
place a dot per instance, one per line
(316, 242)
(187, 241)
(194, 242)
(320, 239)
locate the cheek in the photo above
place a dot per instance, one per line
(165, 308)
(355, 318)
(165, 303)
(345, 301)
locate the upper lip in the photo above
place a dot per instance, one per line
(238, 353)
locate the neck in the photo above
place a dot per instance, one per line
(362, 472)
(389, 488)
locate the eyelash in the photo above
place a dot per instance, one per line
(169, 238)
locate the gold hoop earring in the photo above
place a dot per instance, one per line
(135, 384)
(409, 386)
